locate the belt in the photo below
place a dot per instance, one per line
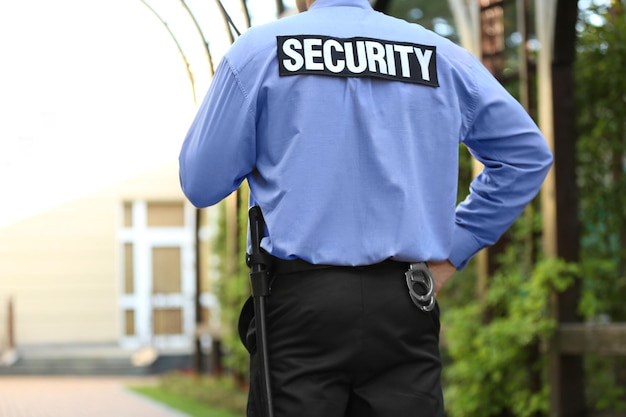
(282, 266)
(419, 279)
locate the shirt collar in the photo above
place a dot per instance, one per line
(362, 4)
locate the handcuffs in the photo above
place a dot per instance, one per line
(421, 286)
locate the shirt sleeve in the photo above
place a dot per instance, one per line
(516, 160)
(219, 149)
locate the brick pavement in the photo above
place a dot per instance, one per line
(37, 396)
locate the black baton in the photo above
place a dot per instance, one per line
(259, 282)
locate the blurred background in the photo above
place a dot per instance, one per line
(105, 269)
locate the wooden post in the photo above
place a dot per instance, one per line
(198, 360)
(559, 194)
(10, 325)
(492, 50)
(544, 12)
(571, 400)
(280, 8)
(232, 239)
(492, 35)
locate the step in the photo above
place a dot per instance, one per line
(91, 360)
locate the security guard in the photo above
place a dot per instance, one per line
(346, 124)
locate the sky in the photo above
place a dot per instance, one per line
(93, 92)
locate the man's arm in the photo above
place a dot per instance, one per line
(516, 160)
(219, 149)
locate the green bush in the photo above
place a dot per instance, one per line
(495, 349)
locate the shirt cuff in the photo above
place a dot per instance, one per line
(464, 246)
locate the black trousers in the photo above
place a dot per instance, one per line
(348, 342)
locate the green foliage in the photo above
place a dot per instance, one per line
(496, 364)
(601, 121)
(601, 98)
(603, 390)
(199, 396)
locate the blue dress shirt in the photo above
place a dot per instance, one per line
(351, 161)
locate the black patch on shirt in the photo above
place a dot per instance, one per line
(357, 57)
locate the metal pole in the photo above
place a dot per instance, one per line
(201, 33)
(246, 13)
(180, 50)
(230, 25)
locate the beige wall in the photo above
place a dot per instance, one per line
(62, 267)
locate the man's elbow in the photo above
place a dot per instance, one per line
(547, 159)
(195, 194)
(542, 162)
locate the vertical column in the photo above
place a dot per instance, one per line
(492, 55)
(142, 271)
(559, 194)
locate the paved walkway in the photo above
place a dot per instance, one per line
(77, 397)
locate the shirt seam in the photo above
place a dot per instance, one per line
(245, 94)
(473, 104)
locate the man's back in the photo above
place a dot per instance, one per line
(352, 151)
